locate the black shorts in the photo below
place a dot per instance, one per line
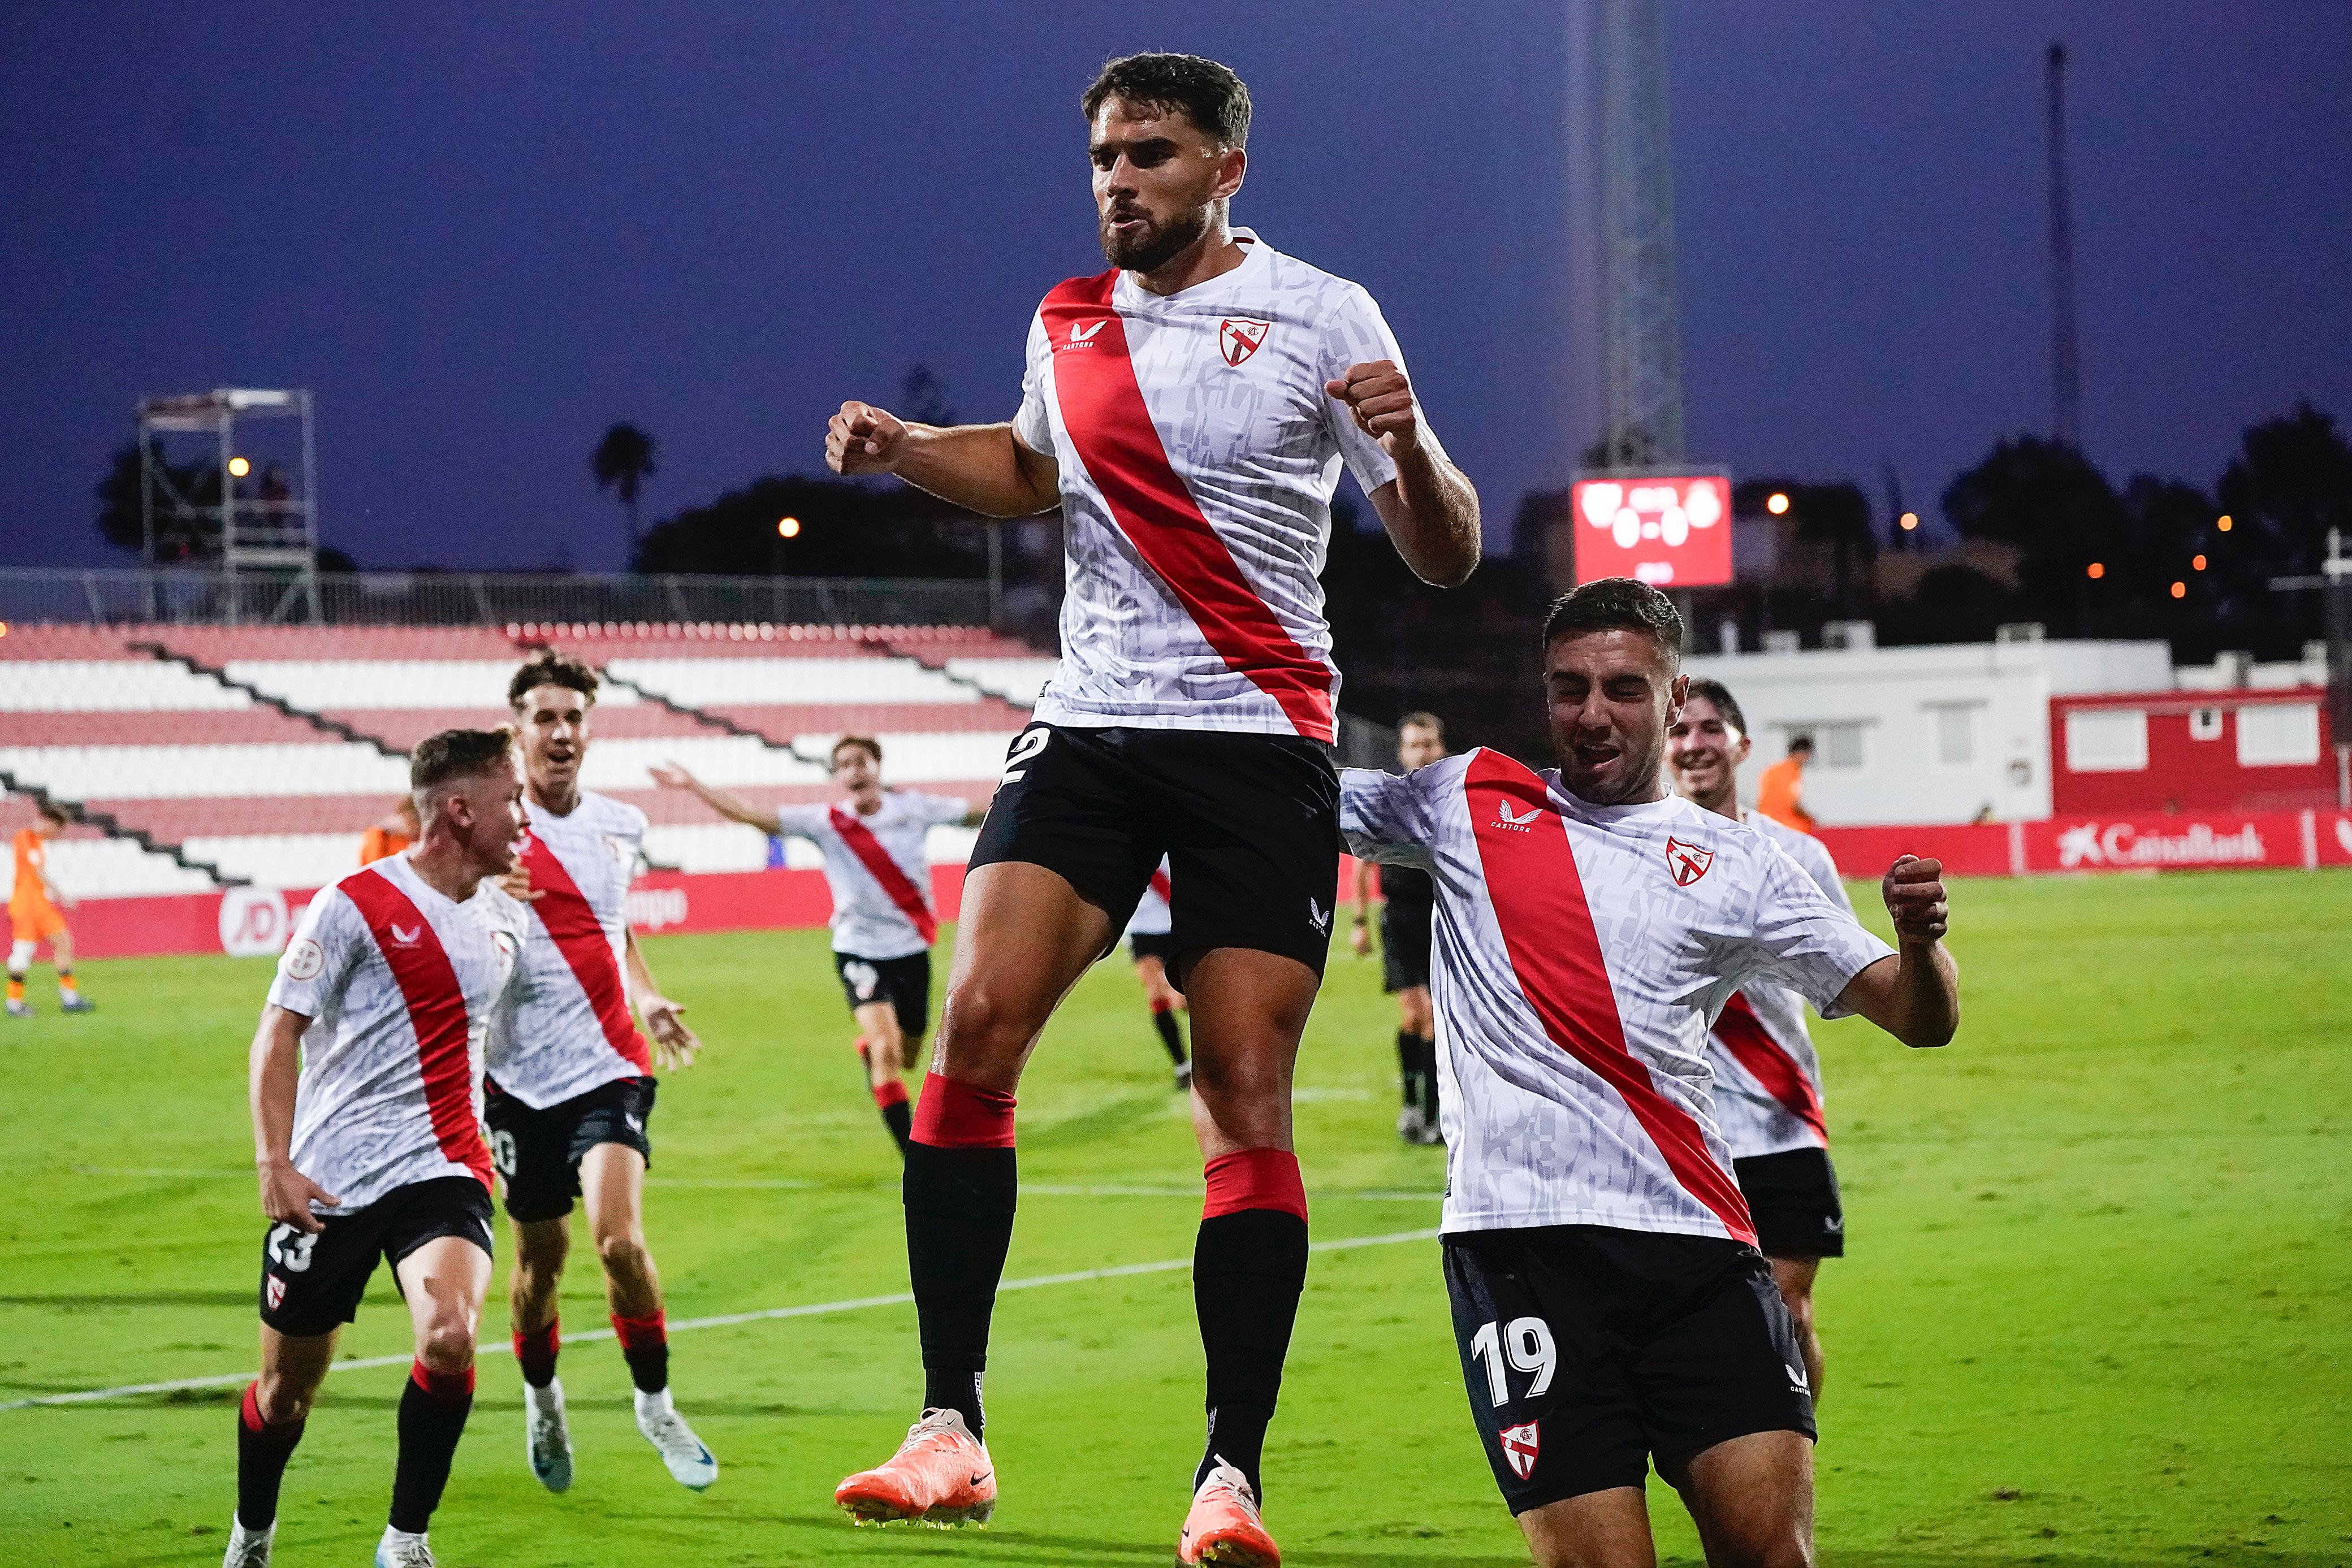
(1404, 949)
(312, 1285)
(1590, 1350)
(1159, 944)
(1793, 1197)
(1249, 824)
(905, 983)
(539, 1152)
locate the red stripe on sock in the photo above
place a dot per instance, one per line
(890, 1093)
(449, 1387)
(1254, 1179)
(535, 1349)
(1162, 1005)
(954, 1114)
(640, 1333)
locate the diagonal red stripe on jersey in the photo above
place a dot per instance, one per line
(437, 1012)
(580, 936)
(884, 870)
(1103, 408)
(1159, 884)
(1752, 1046)
(1529, 870)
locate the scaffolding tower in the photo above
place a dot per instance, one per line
(263, 527)
(1642, 342)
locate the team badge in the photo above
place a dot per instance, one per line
(1239, 337)
(274, 1288)
(1687, 861)
(303, 960)
(1519, 1448)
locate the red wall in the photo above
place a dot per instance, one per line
(2187, 775)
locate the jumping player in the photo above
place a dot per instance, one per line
(883, 922)
(1610, 1304)
(1406, 897)
(36, 914)
(1188, 411)
(1149, 945)
(366, 1093)
(1767, 1077)
(570, 1083)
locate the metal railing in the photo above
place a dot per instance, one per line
(192, 596)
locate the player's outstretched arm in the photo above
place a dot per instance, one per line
(275, 1066)
(674, 1043)
(726, 802)
(1430, 508)
(1915, 994)
(982, 468)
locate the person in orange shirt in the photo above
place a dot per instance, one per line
(34, 917)
(1781, 794)
(392, 835)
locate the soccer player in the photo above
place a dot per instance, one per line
(1406, 897)
(1148, 942)
(1609, 1301)
(570, 1084)
(1780, 792)
(883, 922)
(35, 916)
(1188, 411)
(1767, 1077)
(367, 1094)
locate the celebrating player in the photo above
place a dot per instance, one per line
(1188, 411)
(570, 1081)
(36, 915)
(1608, 1297)
(882, 923)
(1148, 942)
(1406, 896)
(1767, 1077)
(366, 1091)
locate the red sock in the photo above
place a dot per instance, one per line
(954, 1114)
(449, 1387)
(1254, 1179)
(644, 1346)
(892, 1092)
(535, 1351)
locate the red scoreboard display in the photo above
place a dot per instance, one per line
(1669, 531)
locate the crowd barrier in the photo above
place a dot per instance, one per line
(2187, 841)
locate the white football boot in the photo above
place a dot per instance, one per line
(248, 1548)
(398, 1548)
(546, 1442)
(691, 1464)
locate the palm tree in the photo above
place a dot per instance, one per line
(621, 462)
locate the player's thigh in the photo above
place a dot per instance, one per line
(1248, 1009)
(1752, 1499)
(613, 1185)
(1253, 846)
(1794, 1277)
(1415, 1012)
(438, 1241)
(878, 1022)
(1607, 1528)
(1024, 939)
(1079, 803)
(292, 1368)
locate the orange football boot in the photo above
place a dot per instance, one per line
(940, 1475)
(1224, 1526)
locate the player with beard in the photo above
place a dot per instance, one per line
(572, 1081)
(1188, 411)
(1767, 1076)
(1609, 1303)
(1405, 899)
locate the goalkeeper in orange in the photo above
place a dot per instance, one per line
(35, 917)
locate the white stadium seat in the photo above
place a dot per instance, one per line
(324, 685)
(1017, 681)
(118, 868)
(112, 685)
(708, 682)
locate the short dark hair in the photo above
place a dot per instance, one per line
(52, 813)
(548, 668)
(1616, 604)
(1725, 703)
(864, 743)
(1209, 95)
(1799, 743)
(1420, 720)
(459, 754)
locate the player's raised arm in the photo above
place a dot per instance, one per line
(983, 468)
(1430, 508)
(276, 1063)
(1914, 995)
(726, 802)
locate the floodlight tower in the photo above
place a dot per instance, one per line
(269, 528)
(1642, 342)
(2065, 373)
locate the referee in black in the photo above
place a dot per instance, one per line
(1406, 896)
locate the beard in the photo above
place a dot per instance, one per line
(1157, 245)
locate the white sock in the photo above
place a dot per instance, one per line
(549, 1397)
(652, 1405)
(237, 1526)
(400, 1537)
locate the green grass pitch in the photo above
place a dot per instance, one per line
(2096, 1313)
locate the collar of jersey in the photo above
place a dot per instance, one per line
(1130, 298)
(1635, 811)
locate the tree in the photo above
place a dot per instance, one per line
(2290, 482)
(2045, 499)
(846, 529)
(621, 462)
(177, 538)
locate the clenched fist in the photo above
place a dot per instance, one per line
(1380, 399)
(1914, 890)
(863, 439)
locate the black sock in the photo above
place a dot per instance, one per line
(1424, 1057)
(1409, 1068)
(959, 1204)
(900, 1119)
(261, 1455)
(430, 1425)
(1164, 1021)
(1248, 1268)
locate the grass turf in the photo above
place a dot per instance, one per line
(2095, 1312)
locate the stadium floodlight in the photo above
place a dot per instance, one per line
(238, 467)
(788, 528)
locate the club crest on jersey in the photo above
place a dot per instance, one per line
(1521, 1444)
(1238, 337)
(1687, 861)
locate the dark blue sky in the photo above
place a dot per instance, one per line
(483, 233)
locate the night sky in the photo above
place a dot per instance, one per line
(483, 233)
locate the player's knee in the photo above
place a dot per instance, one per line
(1784, 1546)
(446, 1342)
(980, 1032)
(623, 1253)
(279, 1400)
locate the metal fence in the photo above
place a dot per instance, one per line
(201, 597)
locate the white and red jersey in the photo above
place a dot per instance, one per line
(1767, 1077)
(399, 983)
(876, 867)
(1198, 453)
(1154, 915)
(1579, 954)
(567, 1026)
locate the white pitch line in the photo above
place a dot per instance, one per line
(724, 1320)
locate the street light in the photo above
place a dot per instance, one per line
(1910, 521)
(1776, 502)
(238, 467)
(2222, 523)
(788, 528)
(2180, 591)
(2198, 562)
(2097, 571)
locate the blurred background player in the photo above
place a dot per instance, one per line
(366, 1088)
(1150, 944)
(1407, 901)
(1189, 411)
(1608, 1303)
(1767, 1076)
(36, 914)
(882, 923)
(392, 835)
(1780, 792)
(571, 1090)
